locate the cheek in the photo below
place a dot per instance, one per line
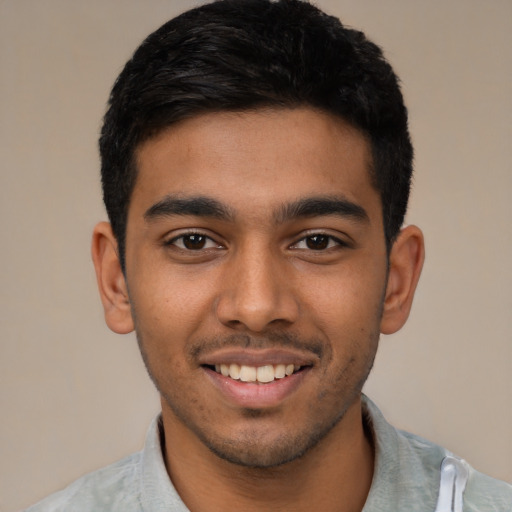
(167, 297)
(169, 309)
(345, 299)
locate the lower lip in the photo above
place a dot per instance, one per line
(253, 395)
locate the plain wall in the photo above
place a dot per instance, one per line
(75, 397)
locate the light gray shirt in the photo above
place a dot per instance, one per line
(406, 479)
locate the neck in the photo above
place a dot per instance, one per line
(335, 475)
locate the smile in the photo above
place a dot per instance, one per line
(258, 378)
(261, 374)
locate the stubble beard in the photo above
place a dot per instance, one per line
(252, 448)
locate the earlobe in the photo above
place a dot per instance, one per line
(405, 264)
(111, 280)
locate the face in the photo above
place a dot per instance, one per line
(256, 269)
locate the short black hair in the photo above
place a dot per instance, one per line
(239, 55)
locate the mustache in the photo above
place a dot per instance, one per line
(274, 340)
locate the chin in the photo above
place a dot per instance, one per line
(263, 449)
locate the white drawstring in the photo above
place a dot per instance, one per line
(454, 475)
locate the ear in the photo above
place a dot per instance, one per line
(405, 264)
(111, 280)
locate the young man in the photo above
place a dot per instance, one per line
(256, 165)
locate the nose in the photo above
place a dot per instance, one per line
(257, 292)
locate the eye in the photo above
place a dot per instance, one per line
(193, 242)
(318, 242)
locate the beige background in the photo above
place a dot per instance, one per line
(75, 396)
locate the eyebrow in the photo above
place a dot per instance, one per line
(322, 206)
(202, 206)
(195, 206)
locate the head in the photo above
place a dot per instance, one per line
(239, 56)
(256, 167)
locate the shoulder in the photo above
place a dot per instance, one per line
(408, 473)
(484, 493)
(115, 488)
(137, 482)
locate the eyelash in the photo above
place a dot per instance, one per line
(207, 239)
(331, 242)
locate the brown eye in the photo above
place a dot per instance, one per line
(194, 242)
(317, 242)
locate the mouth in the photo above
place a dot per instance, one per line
(256, 387)
(264, 374)
(257, 379)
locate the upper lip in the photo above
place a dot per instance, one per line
(260, 357)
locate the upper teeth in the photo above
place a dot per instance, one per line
(263, 374)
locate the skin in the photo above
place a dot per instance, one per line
(260, 278)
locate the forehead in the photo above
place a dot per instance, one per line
(258, 159)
